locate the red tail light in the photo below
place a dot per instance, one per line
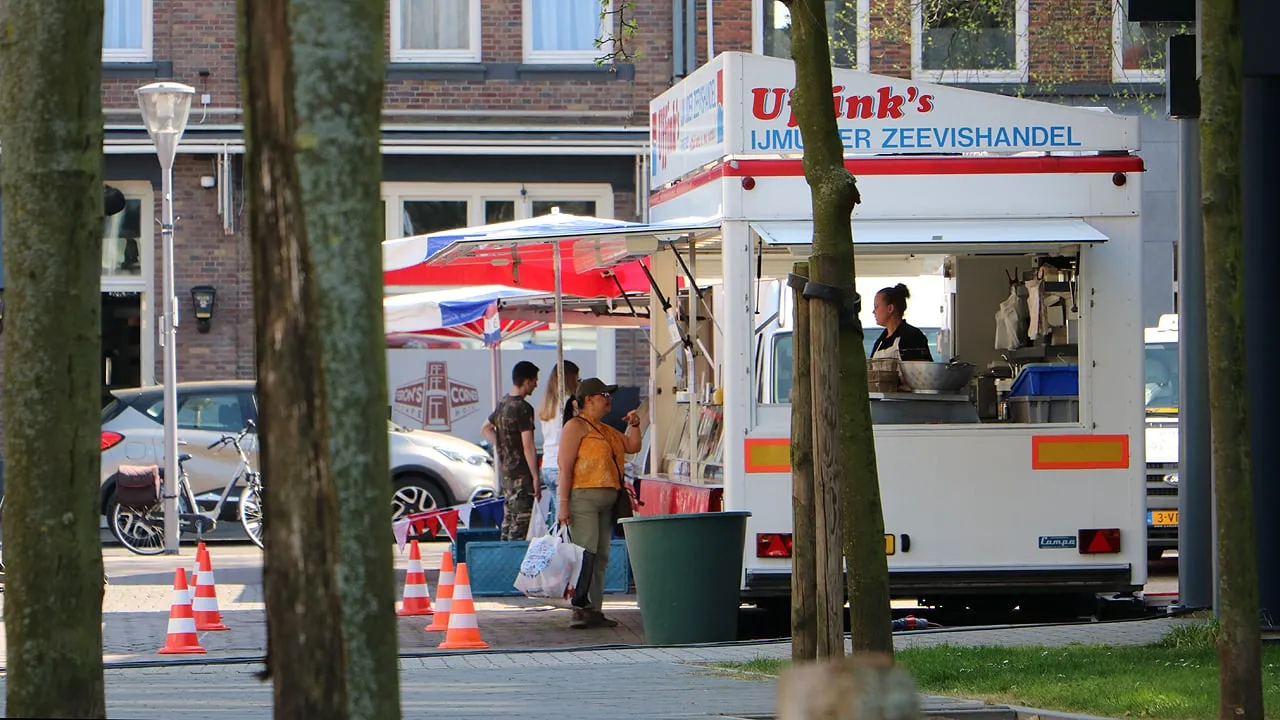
(1098, 540)
(773, 545)
(111, 439)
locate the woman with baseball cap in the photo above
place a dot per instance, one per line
(592, 455)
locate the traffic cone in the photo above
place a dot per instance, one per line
(205, 602)
(444, 595)
(417, 601)
(464, 630)
(181, 638)
(195, 573)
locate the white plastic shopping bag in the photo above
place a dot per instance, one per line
(538, 519)
(550, 568)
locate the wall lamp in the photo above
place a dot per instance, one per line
(202, 298)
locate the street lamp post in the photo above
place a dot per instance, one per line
(165, 107)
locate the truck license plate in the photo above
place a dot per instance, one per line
(1164, 518)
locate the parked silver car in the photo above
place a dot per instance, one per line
(428, 469)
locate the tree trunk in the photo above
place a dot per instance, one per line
(806, 626)
(1239, 635)
(306, 657)
(842, 430)
(51, 182)
(339, 50)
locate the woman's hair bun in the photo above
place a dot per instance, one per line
(903, 290)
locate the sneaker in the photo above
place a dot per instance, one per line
(597, 619)
(581, 619)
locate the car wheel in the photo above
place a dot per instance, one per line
(415, 494)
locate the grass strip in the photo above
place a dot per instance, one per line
(1175, 679)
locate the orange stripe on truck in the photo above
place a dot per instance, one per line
(768, 455)
(1080, 452)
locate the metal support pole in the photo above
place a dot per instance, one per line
(559, 325)
(169, 338)
(1260, 186)
(1260, 180)
(1195, 458)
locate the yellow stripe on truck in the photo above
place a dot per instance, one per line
(1080, 452)
(767, 455)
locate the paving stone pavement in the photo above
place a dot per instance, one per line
(637, 682)
(534, 666)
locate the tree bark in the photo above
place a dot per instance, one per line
(844, 445)
(339, 51)
(51, 181)
(1221, 128)
(806, 626)
(306, 657)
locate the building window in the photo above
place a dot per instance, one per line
(420, 217)
(122, 243)
(1140, 47)
(126, 31)
(420, 208)
(970, 40)
(564, 31)
(435, 30)
(848, 31)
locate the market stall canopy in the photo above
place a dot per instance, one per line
(470, 312)
(599, 257)
(941, 236)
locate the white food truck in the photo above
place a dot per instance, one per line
(1023, 488)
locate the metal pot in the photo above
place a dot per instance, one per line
(937, 377)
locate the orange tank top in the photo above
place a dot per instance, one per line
(600, 458)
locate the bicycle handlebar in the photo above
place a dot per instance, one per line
(234, 439)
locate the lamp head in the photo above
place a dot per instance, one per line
(165, 108)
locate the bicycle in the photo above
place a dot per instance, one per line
(141, 530)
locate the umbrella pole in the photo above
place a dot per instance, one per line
(559, 326)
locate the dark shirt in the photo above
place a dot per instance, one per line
(912, 344)
(513, 416)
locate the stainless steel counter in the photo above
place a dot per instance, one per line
(908, 408)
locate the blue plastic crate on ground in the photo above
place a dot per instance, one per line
(1047, 379)
(493, 566)
(458, 548)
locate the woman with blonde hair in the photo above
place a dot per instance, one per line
(552, 414)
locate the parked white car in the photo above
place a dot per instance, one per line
(428, 469)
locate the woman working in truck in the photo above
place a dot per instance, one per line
(900, 340)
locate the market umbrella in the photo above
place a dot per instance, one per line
(529, 263)
(469, 312)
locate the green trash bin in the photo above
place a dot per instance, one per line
(688, 572)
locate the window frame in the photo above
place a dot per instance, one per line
(144, 282)
(410, 55)
(1021, 49)
(565, 57)
(134, 55)
(862, 54)
(394, 194)
(1120, 74)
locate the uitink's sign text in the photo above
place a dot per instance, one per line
(920, 126)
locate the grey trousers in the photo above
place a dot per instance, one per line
(591, 528)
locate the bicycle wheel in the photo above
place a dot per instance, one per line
(140, 530)
(251, 509)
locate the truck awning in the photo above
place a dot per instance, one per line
(943, 236)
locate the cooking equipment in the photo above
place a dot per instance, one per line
(935, 377)
(883, 375)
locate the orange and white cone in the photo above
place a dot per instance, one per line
(444, 595)
(416, 599)
(181, 638)
(193, 579)
(464, 630)
(205, 602)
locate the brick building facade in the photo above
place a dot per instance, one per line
(491, 115)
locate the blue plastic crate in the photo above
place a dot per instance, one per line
(493, 566)
(1041, 380)
(459, 548)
